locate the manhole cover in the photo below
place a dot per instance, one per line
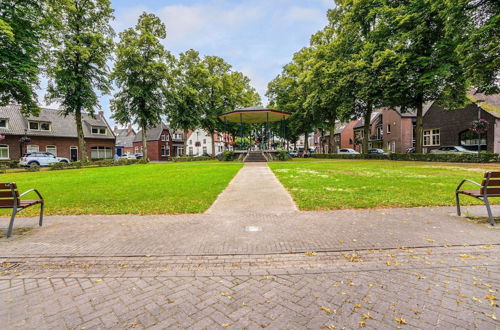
(253, 228)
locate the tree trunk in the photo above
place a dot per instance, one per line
(185, 142)
(213, 144)
(331, 139)
(81, 138)
(306, 143)
(144, 143)
(366, 128)
(419, 131)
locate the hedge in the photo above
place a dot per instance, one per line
(483, 157)
(98, 163)
(191, 158)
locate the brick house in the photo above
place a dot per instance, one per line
(162, 141)
(451, 127)
(124, 140)
(344, 135)
(52, 132)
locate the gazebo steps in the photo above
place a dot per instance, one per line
(255, 156)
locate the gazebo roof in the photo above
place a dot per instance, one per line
(254, 115)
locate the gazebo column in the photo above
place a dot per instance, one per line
(241, 129)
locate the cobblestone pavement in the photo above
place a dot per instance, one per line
(254, 268)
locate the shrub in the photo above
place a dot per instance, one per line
(10, 163)
(226, 156)
(33, 168)
(3, 169)
(283, 155)
(483, 157)
(58, 166)
(190, 159)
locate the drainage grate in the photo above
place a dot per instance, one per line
(253, 228)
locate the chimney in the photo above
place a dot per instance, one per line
(101, 114)
(129, 126)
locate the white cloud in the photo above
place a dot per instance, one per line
(300, 14)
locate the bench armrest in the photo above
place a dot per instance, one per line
(467, 180)
(31, 190)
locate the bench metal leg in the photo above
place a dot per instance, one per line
(458, 204)
(11, 224)
(488, 208)
(40, 222)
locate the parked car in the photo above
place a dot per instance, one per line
(348, 151)
(410, 150)
(138, 156)
(377, 151)
(41, 159)
(452, 150)
(293, 154)
(128, 156)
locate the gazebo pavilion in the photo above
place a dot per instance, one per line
(256, 115)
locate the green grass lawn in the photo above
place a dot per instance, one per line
(135, 189)
(340, 184)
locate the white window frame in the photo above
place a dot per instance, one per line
(432, 134)
(74, 148)
(51, 147)
(32, 146)
(98, 130)
(136, 150)
(102, 152)
(5, 147)
(163, 138)
(6, 123)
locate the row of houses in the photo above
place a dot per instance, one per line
(53, 132)
(394, 131)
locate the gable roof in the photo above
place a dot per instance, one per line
(489, 103)
(61, 126)
(153, 134)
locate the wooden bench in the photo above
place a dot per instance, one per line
(10, 199)
(489, 187)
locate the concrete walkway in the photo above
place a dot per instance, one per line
(254, 190)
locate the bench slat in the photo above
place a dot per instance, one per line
(8, 193)
(493, 174)
(490, 191)
(492, 183)
(7, 202)
(6, 185)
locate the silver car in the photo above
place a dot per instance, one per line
(452, 150)
(348, 151)
(41, 159)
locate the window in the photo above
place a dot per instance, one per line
(51, 149)
(204, 141)
(380, 133)
(101, 152)
(39, 126)
(3, 123)
(190, 141)
(4, 151)
(205, 150)
(388, 128)
(136, 150)
(99, 130)
(163, 138)
(432, 137)
(190, 151)
(34, 125)
(32, 148)
(165, 151)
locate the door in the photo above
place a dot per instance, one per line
(119, 152)
(73, 153)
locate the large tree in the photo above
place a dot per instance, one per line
(421, 63)
(141, 73)
(22, 33)
(82, 46)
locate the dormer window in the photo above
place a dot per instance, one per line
(99, 130)
(39, 126)
(3, 123)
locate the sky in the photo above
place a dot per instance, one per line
(257, 37)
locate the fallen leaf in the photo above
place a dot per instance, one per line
(98, 280)
(400, 320)
(357, 305)
(462, 295)
(134, 324)
(367, 316)
(492, 316)
(224, 293)
(430, 240)
(225, 325)
(309, 253)
(476, 300)
(326, 309)
(362, 324)
(491, 299)
(415, 311)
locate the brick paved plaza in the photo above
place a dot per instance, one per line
(253, 267)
